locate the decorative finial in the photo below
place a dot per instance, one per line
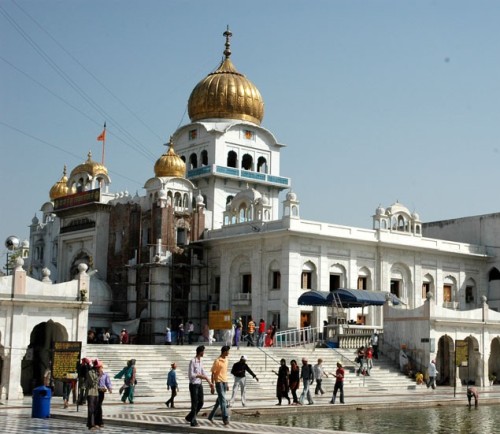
(64, 170)
(227, 34)
(89, 155)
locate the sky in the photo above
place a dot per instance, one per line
(376, 101)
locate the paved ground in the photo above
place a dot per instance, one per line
(150, 415)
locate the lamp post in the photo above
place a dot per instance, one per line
(12, 244)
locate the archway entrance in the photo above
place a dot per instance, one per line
(38, 355)
(471, 373)
(445, 361)
(494, 360)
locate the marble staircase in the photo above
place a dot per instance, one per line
(153, 363)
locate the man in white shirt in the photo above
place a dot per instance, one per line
(197, 374)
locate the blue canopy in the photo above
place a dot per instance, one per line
(360, 297)
(346, 297)
(313, 298)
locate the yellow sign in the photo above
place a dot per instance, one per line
(462, 353)
(220, 319)
(65, 360)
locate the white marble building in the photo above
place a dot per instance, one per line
(33, 315)
(210, 233)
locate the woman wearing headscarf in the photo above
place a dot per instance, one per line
(294, 380)
(128, 374)
(282, 384)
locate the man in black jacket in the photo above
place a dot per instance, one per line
(239, 370)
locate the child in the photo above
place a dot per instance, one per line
(172, 385)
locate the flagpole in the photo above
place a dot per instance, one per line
(103, 144)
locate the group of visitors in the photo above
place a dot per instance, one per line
(289, 379)
(94, 383)
(265, 336)
(364, 359)
(181, 333)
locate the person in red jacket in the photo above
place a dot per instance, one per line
(262, 333)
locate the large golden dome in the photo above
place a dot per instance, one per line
(93, 168)
(60, 188)
(226, 93)
(170, 164)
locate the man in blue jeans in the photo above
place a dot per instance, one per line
(196, 375)
(307, 377)
(219, 377)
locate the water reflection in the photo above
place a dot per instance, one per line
(437, 420)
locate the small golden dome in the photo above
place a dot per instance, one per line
(93, 168)
(170, 164)
(226, 93)
(60, 188)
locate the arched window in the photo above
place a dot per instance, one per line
(177, 200)
(247, 162)
(232, 159)
(308, 276)
(494, 274)
(229, 199)
(204, 158)
(262, 165)
(274, 275)
(193, 161)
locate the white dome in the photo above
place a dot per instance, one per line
(380, 211)
(397, 208)
(291, 196)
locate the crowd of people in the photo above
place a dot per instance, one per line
(94, 382)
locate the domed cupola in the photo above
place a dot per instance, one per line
(170, 164)
(226, 94)
(60, 188)
(90, 167)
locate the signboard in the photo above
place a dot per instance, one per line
(220, 319)
(462, 353)
(65, 360)
(77, 199)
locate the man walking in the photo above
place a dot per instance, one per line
(319, 372)
(196, 374)
(432, 371)
(307, 377)
(219, 378)
(239, 370)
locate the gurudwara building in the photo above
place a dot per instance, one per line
(219, 228)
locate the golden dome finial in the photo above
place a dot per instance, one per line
(226, 94)
(60, 188)
(170, 164)
(91, 167)
(227, 34)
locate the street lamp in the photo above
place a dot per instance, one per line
(11, 243)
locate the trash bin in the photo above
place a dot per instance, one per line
(41, 402)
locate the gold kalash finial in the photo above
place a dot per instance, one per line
(227, 34)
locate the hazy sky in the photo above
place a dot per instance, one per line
(377, 101)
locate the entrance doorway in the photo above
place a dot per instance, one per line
(39, 353)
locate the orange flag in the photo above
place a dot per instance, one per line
(102, 137)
